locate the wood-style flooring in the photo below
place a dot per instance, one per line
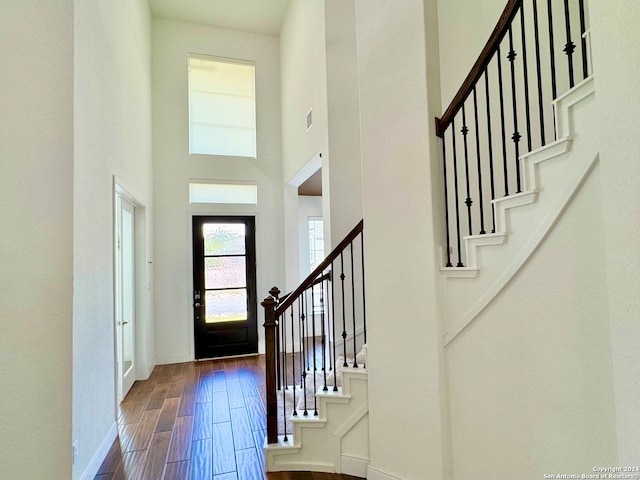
(196, 421)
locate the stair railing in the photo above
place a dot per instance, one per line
(308, 329)
(493, 106)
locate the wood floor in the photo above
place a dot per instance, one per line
(196, 421)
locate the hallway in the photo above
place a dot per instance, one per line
(197, 420)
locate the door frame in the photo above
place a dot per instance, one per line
(207, 211)
(251, 279)
(142, 364)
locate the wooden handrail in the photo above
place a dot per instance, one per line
(311, 279)
(482, 62)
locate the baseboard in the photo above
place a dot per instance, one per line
(93, 467)
(356, 466)
(374, 474)
(173, 358)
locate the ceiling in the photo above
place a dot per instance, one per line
(260, 16)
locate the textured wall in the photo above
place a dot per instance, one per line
(36, 159)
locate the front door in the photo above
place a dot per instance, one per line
(224, 280)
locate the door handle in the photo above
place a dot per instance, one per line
(198, 304)
(125, 323)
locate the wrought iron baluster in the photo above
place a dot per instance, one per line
(516, 134)
(446, 201)
(552, 54)
(490, 147)
(353, 306)
(526, 77)
(477, 135)
(333, 326)
(502, 125)
(583, 29)
(293, 362)
(344, 316)
(536, 35)
(313, 333)
(570, 46)
(457, 195)
(468, 201)
(324, 337)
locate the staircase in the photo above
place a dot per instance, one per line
(316, 376)
(551, 175)
(334, 441)
(520, 152)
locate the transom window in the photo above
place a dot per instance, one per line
(222, 107)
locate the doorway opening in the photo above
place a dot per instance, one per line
(130, 288)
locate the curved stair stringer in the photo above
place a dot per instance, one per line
(335, 441)
(551, 176)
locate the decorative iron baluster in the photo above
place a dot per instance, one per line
(283, 321)
(516, 134)
(468, 201)
(583, 29)
(333, 326)
(477, 135)
(344, 315)
(502, 125)
(305, 351)
(526, 77)
(570, 46)
(457, 196)
(552, 54)
(490, 147)
(313, 333)
(536, 35)
(446, 202)
(353, 306)
(293, 363)
(324, 340)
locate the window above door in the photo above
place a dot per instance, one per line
(222, 106)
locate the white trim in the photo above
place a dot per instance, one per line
(353, 465)
(535, 239)
(93, 467)
(173, 358)
(375, 474)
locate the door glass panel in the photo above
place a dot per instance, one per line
(226, 305)
(224, 272)
(128, 302)
(224, 238)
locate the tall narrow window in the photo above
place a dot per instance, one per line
(316, 242)
(222, 107)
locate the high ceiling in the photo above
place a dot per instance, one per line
(260, 16)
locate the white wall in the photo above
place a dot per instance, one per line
(464, 27)
(616, 40)
(396, 128)
(173, 167)
(342, 171)
(36, 159)
(530, 379)
(303, 85)
(112, 137)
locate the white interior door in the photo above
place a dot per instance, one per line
(125, 296)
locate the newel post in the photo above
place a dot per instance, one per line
(270, 326)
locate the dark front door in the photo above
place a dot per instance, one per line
(224, 279)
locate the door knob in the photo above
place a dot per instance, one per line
(198, 304)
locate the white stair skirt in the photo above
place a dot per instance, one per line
(335, 441)
(551, 175)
